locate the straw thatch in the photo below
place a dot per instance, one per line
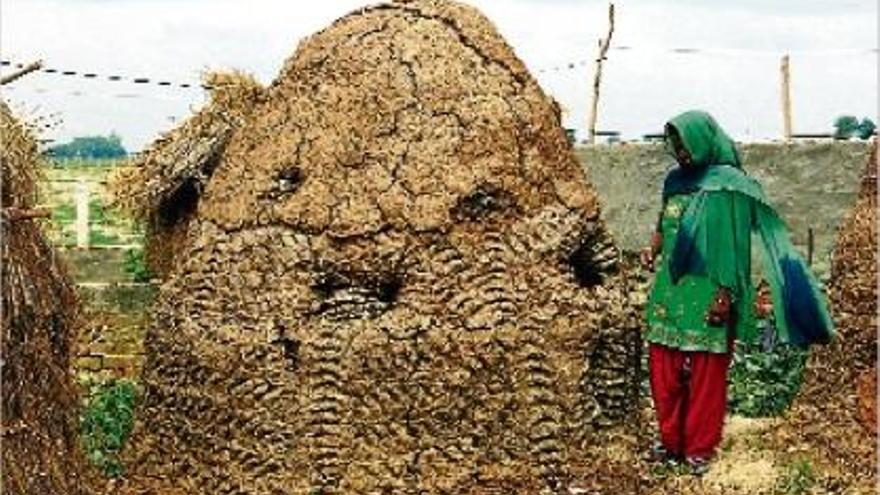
(39, 423)
(396, 281)
(163, 185)
(832, 417)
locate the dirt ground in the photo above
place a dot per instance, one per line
(749, 462)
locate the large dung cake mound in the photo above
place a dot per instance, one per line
(832, 415)
(39, 404)
(395, 280)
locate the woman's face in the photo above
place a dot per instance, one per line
(681, 153)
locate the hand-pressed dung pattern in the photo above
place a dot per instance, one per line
(394, 280)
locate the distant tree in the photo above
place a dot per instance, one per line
(866, 128)
(845, 126)
(94, 147)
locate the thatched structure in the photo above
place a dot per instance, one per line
(40, 446)
(832, 417)
(396, 280)
(163, 184)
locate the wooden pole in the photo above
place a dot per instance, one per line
(82, 214)
(785, 69)
(604, 44)
(811, 242)
(21, 72)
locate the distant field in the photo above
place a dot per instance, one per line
(107, 226)
(114, 306)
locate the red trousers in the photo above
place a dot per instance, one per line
(690, 397)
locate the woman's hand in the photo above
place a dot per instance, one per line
(647, 258)
(719, 311)
(649, 254)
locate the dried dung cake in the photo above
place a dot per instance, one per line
(162, 185)
(395, 280)
(40, 448)
(828, 416)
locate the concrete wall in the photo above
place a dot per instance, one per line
(813, 185)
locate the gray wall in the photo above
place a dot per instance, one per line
(811, 184)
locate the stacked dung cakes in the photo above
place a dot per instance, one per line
(41, 452)
(162, 185)
(393, 279)
(835, 416)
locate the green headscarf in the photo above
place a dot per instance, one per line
(705, 140)
(714, 238)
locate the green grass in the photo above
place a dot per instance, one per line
(107, 226)
(106, 423)
(65, 213)
(101, 238)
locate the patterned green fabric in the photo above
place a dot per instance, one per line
(676, 312)
(713, 237)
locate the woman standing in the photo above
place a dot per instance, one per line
(702, 298)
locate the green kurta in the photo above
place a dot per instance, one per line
(676, 312)
(711, 210)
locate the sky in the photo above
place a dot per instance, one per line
(646, 78)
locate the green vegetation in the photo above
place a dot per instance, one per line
(866, 128)
(106, 225)
(135, 265)
(101, 238)
(848, 126)
(66, 213)
(106, 423)
(765, 382)
(799, 478)
(64, 218)
(94, 147)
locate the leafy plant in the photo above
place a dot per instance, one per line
(135, 265)
(106, 423)
(845, 126)
(765, 382)
(866, 129)
(799, 478)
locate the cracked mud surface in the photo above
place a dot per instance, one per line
(396, 280)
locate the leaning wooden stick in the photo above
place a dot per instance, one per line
(21, 72)
(597, 80)
(12, 213)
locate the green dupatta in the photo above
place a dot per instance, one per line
(714, 237)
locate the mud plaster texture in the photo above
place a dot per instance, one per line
(40, 444)
(396, 280)
(832, 419)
